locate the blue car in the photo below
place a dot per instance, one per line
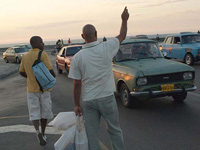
(185, 46)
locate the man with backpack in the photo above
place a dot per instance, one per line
(39, 100)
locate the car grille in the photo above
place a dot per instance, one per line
(166, 78)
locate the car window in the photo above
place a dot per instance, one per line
(169, 40)
(60, 52)
(73, 50)
(63, 52)
(9, 50)
(21, 50)
(176, 40)
(138, 51)
(190, 39)
(12, 51)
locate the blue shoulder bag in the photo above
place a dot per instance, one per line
(42, 74)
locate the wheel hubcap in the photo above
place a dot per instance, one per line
(188, 60)
(125, 96)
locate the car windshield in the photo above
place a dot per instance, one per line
(72, 50)
(190, 39)
(21, 50)
(138, 51)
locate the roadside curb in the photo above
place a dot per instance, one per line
(8, 70)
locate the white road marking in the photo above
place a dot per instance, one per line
(27, 128)
(30, 129)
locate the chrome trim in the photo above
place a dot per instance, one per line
(160, 92)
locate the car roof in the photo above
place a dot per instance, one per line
(128, 41)
(72, 46)
(183, 34)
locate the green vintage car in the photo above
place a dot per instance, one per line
(141, 72)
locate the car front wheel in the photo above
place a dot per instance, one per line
(6, 60)
(179, 97)
(67, 69)
(125, 95)
(17, 60)
(58, 69)
(189, 60)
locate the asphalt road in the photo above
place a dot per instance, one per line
(157, 124)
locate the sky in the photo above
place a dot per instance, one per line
(63, 19)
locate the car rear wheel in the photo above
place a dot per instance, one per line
(6, 60)
(125, 96)
(58, 69)
(189, 60)
(17, 60)
(179, 97)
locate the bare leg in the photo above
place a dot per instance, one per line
(43, 125)
(36, 124)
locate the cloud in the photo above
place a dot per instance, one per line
(187, 12)
(192, 12)
(124, 3)
(165, 3)
(138, 15)
(54, 24)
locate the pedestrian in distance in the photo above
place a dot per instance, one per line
(39, 103)
(59, 45)
(104, 39)
(91, 71)
(69, 41)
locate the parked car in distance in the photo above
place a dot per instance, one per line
(141, 36)
(28, 46)
(15, 54)
(185, 46)
(64, 57)
(141, 72)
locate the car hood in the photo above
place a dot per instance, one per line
(156, 66)
(21, 53)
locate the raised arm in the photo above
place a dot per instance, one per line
(123, 30)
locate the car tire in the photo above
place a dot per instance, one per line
(189, 60)
(17, 60)
(179, 97)
(58, 69)
(125, 95)
(67, 69)
(6, 60)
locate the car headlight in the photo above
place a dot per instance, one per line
(187, 76)
(142, 81)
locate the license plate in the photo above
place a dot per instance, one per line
(167, 87)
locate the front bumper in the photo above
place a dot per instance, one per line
(157, 93)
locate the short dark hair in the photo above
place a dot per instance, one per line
(34, 39)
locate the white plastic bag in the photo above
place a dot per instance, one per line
(81, 140)
(63, 120)
(66, 141)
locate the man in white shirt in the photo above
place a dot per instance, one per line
(91, 70)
